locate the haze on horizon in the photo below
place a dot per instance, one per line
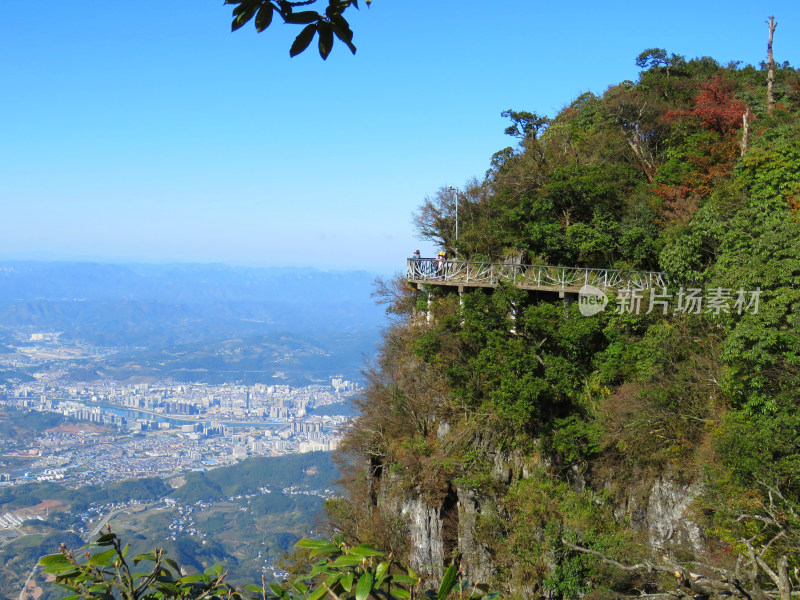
(150, 133)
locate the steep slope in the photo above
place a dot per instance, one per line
(669, 434)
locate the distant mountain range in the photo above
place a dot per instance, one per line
(187, 310)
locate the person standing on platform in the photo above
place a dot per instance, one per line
(440, 265)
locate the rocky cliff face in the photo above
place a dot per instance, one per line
(658, 510)
(425, 532)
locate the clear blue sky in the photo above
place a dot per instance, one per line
(146, 131)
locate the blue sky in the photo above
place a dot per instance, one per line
(147, 131)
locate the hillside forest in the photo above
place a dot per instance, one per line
(559, 455)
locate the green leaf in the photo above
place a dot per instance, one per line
(320, 552)
(405, 579)
(242, 14)
(343, 26)
(366, 551)
(197, 578)
(347, 581)
(302, 17)
(380, 573)
(167, 588)
(309, 544)
(302, 41)
(56, 564)
(69, 576)
(401, 593)
(364, 586)
(317, 569)
(300, 587)
(214, 571)
(243, 7)
(347, 561)
(317, 593)
(174, 566)
(264, 17)
(276, 589)
(325, 39)
(344, 37)
(102, 558)
(100, 587)
(256, 589)
(448, 581)
(105, 540)
(140, 557)
(53, 559)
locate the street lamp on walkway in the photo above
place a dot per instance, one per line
(454, 189)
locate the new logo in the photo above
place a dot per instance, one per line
(591, 300)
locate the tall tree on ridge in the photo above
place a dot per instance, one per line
(771, 67)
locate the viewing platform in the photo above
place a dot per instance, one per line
(464, 274)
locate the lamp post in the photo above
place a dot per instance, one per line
(455, 193)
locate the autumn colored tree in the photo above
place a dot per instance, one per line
(715, 106)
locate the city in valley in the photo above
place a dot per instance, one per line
(124, 431)
(190, 408)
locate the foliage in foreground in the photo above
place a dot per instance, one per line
(343, 572)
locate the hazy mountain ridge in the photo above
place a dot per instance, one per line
(178, 320)
(175, 284)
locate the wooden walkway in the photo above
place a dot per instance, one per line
(463, 274)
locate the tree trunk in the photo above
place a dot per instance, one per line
(784, 583)
(745, 131)
(771, 68)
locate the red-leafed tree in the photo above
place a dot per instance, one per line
(716, 105)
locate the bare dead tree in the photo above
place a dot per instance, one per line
(745, 131)
(769, 536)
(771, 67)
(640, 149)
(721, 583)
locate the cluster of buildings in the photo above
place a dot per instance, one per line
(222, 402)
(159, 428)
(125, 440)
(10, 520)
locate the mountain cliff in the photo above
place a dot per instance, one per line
(650, 448)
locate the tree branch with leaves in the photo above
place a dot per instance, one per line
(327, 24)
(342, 572)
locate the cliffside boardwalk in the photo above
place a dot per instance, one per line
(545, 278)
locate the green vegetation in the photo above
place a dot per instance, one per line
(344, 573)
(554, 425)
(314, 470)
(22, 496)
(19, 557)
(220, 516)
(21, 424)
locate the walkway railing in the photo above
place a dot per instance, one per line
(535, 277)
